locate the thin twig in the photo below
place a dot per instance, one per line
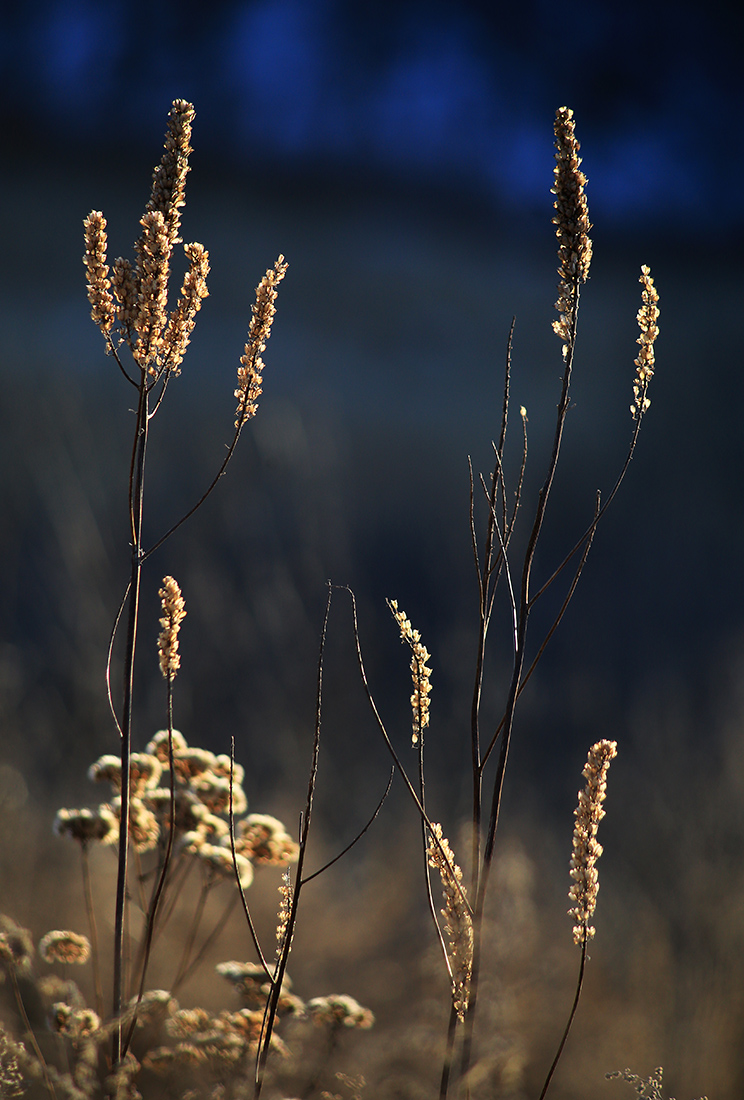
(358, 837)
(249, 919)
(572, 1014)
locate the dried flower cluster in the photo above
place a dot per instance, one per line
(586, 849)
(64, 947)
(250, 371)
(338, 1010)
(134, 299)
(648, 315)
(572, 225)
(458, 921)
(420, 671)
(264, 840)
(174, 612)
(202, 802)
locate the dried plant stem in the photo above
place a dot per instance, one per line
(238, 883)
(30, 1031)
(209, 940)
(193, 932)
(572, 1014)
(448, 1054)
(286, 946)
(481, 873)
(136, 506)
(160, 885)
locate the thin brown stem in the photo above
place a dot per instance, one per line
(571, 1016)
(281, 966)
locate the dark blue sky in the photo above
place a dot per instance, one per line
(458, 94)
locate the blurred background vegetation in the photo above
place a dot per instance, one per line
(400, 156)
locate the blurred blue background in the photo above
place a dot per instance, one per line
(436, 93)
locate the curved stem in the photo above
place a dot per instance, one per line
(571, 1016)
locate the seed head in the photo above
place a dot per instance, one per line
(174, 612)
(420, 671)
(250, 371)
(103, 310)
(586, 849)
(648, 315)
(572, 224)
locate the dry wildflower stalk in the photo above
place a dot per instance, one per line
(174, 612)
(135, 298)
(420, 671)
(572, 226)
(458, 921)
(648, 315)
(586, 849)
(250, 371)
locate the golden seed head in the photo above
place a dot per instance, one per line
(183, 318)
(648, 315)
(250, 371)
(458, 921)
(572, 224)
(154, 248)
(103, 309)
(420, 671)
(586, 849)
(168, 194)
(174, 612)
(286, 893)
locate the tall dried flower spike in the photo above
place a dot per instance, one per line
(586, 849)
(458, 921)
(250, 371)
(168, 194)
(648, 315)
(420, 671)
(182, 320)
(154, 271)
(173, 614)
(572, 224)
(103, 309)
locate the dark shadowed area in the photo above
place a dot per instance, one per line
(400, 158)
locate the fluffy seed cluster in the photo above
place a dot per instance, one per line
(174, 612)
(458, 921)
(648, 315)
(265, 841)
(338, 1010)
(64, 947)
(420, 671)
(250, 371)
(203, 790)
(134, 299)
(586, 849)
(571, 222)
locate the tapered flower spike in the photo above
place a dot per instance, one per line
(572, 224)
(586, 849)
(250, 371)
(420, 671)
(103, 309)
(648, 315)
(458, 921)
(174, 612)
